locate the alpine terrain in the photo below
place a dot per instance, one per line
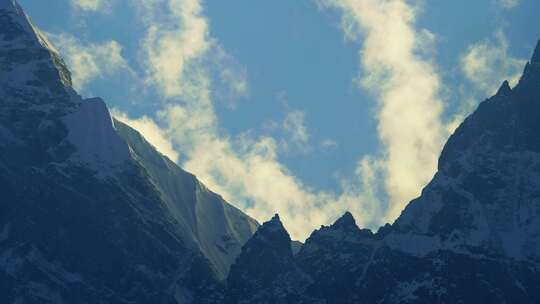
(90, 212)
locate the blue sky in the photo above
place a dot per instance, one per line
(307, 108)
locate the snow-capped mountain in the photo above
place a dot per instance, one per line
(89, 211)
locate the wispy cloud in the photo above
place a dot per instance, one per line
(508, 3)
(89, 5)
(176, 40)
(246, 170)
(297, 133)
(150, 131)
(488, 63)
(89, 61)
(182, 60)
(403, 79)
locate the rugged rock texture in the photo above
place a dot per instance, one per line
(265, 271)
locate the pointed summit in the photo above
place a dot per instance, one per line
(25, 44)
(504, 89)
(30, 64)
(274, 224)
(536, 54)
(346, 221)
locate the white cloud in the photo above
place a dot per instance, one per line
(509, 3)
(329, 143)
(247, 172)
(297, 133)
(89, 61)
(396, 71)
(488, 63)
(177, 39)
(88, 5)
(245, 169)
(232, 81)
(150, 131)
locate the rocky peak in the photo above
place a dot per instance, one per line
(272, 236)
(22, 44)
(504, 89)
(36, 84)
(266, 261)
(345, 222)
(536, 55)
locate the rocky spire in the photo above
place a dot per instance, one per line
(346, 221)
(504, 89)
(266, 259)
(273, 236)
(536, 54)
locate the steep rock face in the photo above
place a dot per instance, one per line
(486, 192)
(218, 228)
(265, 271)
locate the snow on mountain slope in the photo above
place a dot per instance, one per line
(91, 131)
(217, 227)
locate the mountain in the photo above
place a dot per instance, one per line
(89, 211)
(473, 236)
(265, 271)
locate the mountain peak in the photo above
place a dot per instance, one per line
(504, 89)
(536, 54)
(273, 225)
(345, 221)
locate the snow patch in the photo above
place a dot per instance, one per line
(92, 132)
